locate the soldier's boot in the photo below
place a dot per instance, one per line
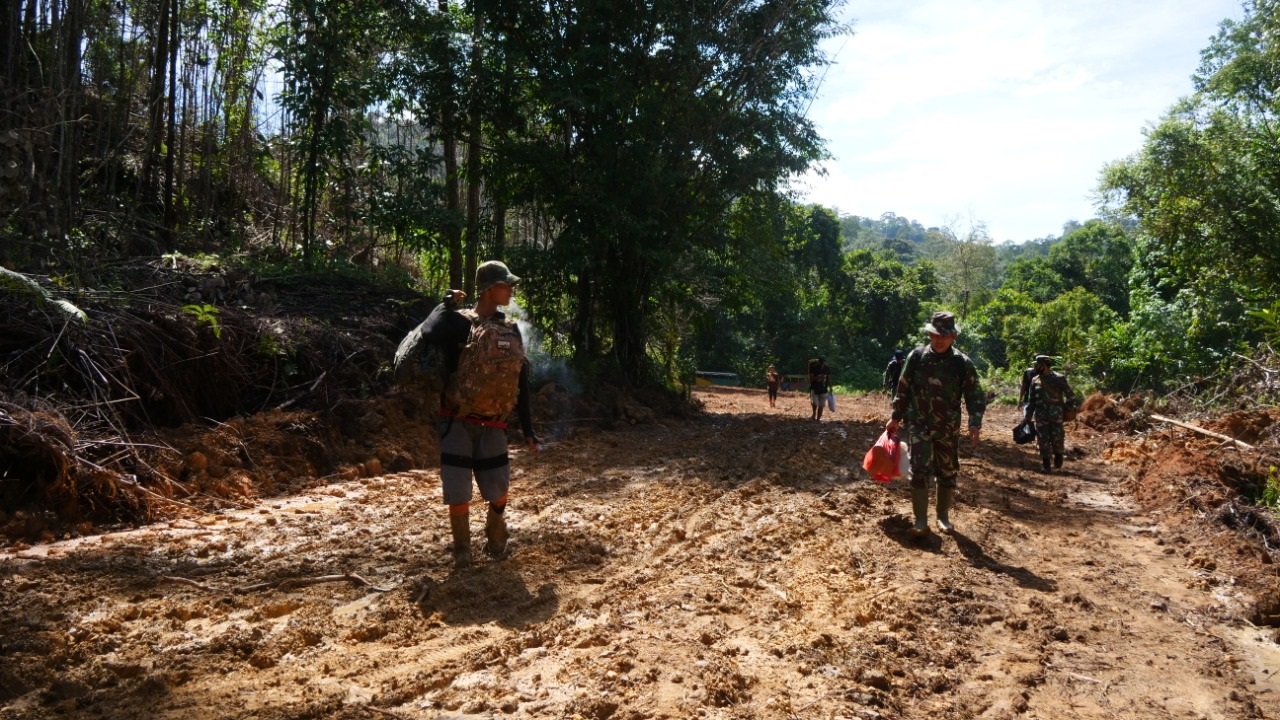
(460, 525)
(1044, 462)
(946, 498)
(495, 532)
(1057, 460)
(920, 508)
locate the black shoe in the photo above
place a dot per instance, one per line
(1045, 465)
(1057, 460)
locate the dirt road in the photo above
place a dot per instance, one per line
(740, 565)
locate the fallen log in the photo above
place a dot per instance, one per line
(1202, 431)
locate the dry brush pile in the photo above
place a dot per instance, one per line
(88, 393)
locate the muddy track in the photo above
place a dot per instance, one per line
(737, 566)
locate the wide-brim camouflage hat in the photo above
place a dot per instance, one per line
(491, 273)
(942, 323)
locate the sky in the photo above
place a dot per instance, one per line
(997, 113)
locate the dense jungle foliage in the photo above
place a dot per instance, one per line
(631, 161)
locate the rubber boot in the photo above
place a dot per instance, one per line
(461, 527)
(946, 498)
(920, 507)
(495, 532)
(1057, 460)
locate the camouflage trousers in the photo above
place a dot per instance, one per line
(1051, 437)
(934, 458)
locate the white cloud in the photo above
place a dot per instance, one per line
(1002, 110)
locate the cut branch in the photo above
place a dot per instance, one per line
(284, 584)
(1202, 431)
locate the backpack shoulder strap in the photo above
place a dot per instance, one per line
(907, 362)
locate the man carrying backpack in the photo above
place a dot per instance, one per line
(819, 386)
(893, 371)
(1024, 393)
(488, 376)
(1048, 400)
(935, 378)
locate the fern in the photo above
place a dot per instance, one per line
(207, 314)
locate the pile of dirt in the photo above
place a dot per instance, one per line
(1106, 413)
(196, 386)
(1214, 489)
(1255, 427)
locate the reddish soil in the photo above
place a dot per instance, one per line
(736, 564)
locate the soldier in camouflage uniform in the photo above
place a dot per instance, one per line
(934, 380)
(1047, 402)
(1027, 376)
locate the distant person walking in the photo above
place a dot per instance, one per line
(819, 386)
(1048, 401)
(772, 381)
(1024, 392)
(488, 376)
(893, 371)
(935, 379)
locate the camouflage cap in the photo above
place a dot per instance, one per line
(491, 273)
(942, 323)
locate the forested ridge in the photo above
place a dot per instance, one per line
(193, 163)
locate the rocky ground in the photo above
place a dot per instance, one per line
(736, 564)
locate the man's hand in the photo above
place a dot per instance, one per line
(975, 434)
(891, 427)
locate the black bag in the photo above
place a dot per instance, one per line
(1024, 432)
(419, 364)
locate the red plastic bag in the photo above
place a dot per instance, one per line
(882, 460)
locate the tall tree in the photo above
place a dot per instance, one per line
(327, 65)
(659, 114)
(1205, 188)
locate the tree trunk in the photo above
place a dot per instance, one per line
(629, 310)
(170, 219)
(499, 227)
(474, 153)
(452, 231)
(155, 102)
(10, 36)
(584, 321)
(69, 128)
(629, 340)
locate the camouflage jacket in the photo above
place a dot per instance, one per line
(1049, 397)
(930, 390)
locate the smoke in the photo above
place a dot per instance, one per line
(544, 366)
